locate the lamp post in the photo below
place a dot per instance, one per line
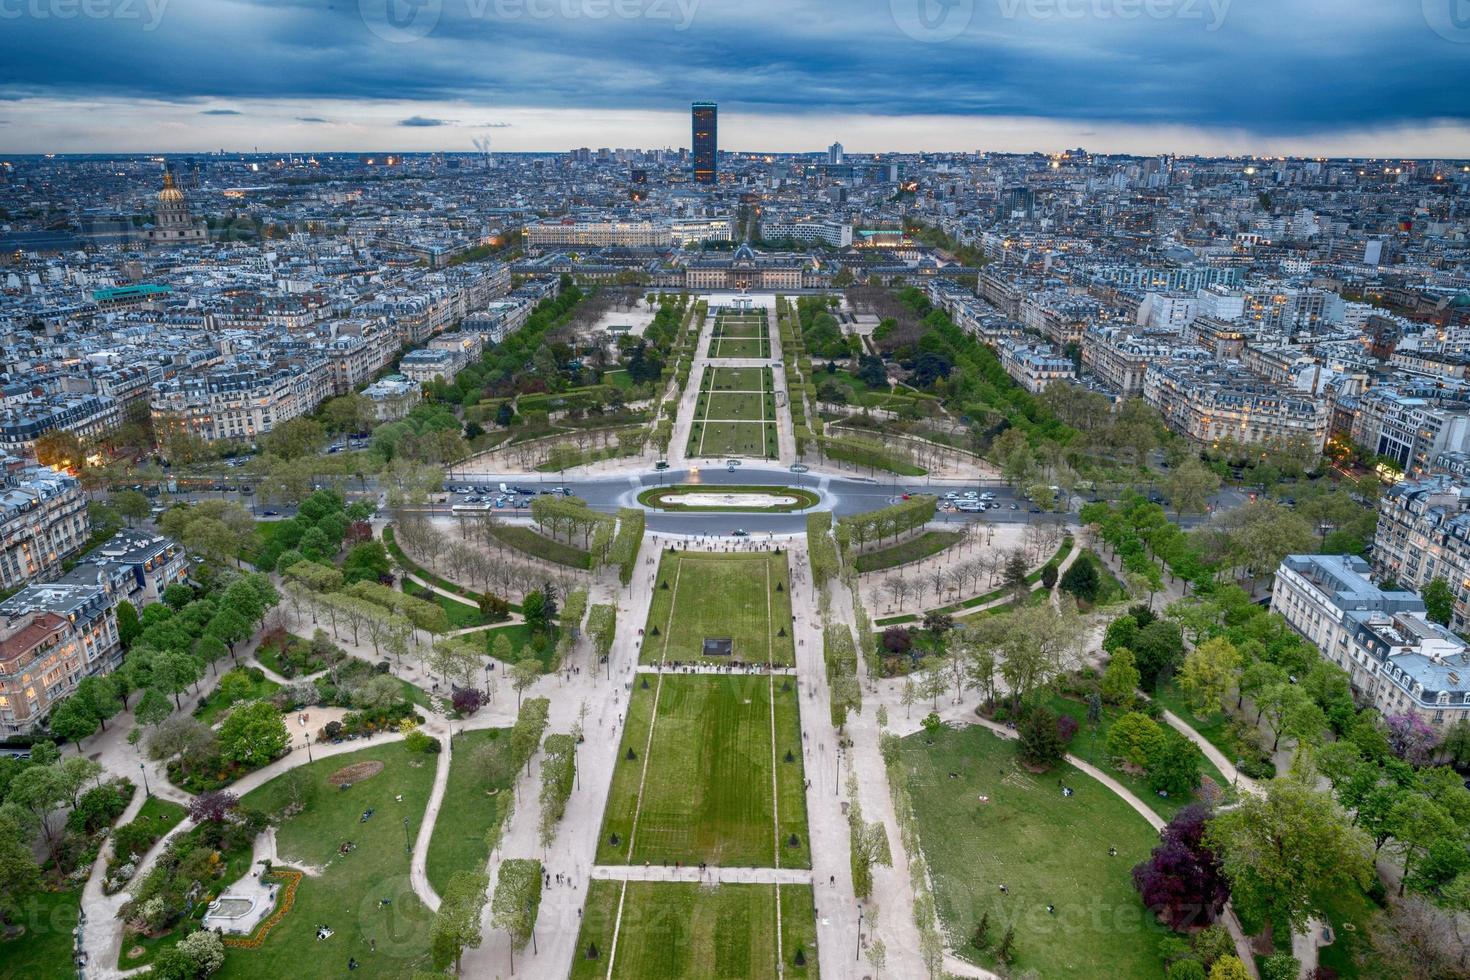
(407, 847)
(859, 954)
(306, 737)
(144, 770)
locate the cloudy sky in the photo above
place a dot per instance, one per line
(1328, 77)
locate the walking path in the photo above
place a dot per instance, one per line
(417, 874)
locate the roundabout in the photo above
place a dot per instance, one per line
(719, 498)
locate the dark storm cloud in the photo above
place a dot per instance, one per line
(1272, 67)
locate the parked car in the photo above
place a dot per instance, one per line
(740, 532)
(271, 513)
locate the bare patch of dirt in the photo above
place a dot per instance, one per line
(355, 773)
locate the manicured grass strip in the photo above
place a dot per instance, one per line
(346, 895)
(537, 545)
(707, 790)
(915, 549)
(731, 597)
(1046, 848)
(980, 600)
(476, 802)
(654, 497)
(670, 931)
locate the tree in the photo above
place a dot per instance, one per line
(1041, 744)
(72, 719)
(1158, 647)
(1174, 765)
(152, 707)
(1286, 850)
(1135, 738)
(128, 627)
(1120, 678)
(20, 877)
(132, 504)
(253, 735)
(1190, 485)
(213, 807)
(1410, 738)
(1082, 579)
(1208, 674)
(517, 897)
(1417, 823)
(1439, 601)
(457, 922)
(99, 693)
(205, 950)
(523, 674)
(1182, 882)
(1414, 940)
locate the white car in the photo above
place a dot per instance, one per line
(951, 496)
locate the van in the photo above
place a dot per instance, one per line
(970, 506)
(504, 488)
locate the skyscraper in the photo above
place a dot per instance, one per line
(835, 154)
(706, 143)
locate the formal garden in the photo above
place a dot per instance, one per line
(744, 598)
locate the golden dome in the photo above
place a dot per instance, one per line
(170, 193)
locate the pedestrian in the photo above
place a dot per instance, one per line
(1004, 890)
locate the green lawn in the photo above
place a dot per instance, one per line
(752, 347)
(707, 783)
(720, 596)
(519, 635)
(687, 930)
(1215, 728)
(460, 615)
(1093, 748)
(213, 709)
(914, 549)
(45, 948)
(745, 406)
(345, 896)
(538, 545)
(476, 802)
(722, 439)
(1044, 847)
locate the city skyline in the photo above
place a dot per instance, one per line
(1207, 77)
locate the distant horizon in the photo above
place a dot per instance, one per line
(39, 127)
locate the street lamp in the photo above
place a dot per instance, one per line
(144, 770)
(306, 737)
(407, 848)
(859, 954)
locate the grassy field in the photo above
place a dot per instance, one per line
(475, 804)
(720, 596)
(45, 948)
(1044, 847)
(519, 635)
(1095, 750)
(745, 406)
(538, 545)
(738, 379)
(707, 780)
(723, 439)
(688, 930)
(346, 895)
(915, 549)
(751, 347)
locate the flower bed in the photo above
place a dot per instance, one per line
(288, 897)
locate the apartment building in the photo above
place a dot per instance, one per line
(1210, 402)
(599, 233)
(1424, 534)
(241, 403)
(43, 521)
(1408, 426)
(1395, 658)
(51, 636)
(1036, 367)
(1119, 358)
